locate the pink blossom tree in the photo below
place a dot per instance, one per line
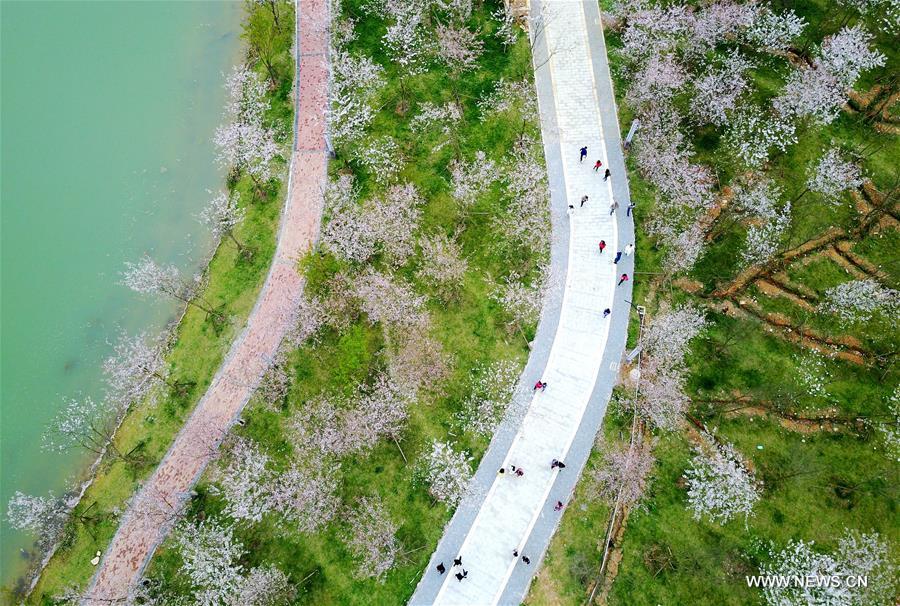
(623, 474)
(442, 266)
(718, 89)
(381, 157)
(386, 300)
(418, 364)
(752, 134)
(458, 48)
(371, 538)
(526, 220)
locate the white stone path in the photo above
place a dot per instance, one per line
(514, 506)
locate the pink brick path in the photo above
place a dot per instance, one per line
(149, 517)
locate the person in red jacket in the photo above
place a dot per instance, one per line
(602, 245)
(624, 278)
(597, 165)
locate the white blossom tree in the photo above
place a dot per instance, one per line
(669, 334)
(470, 180)
(355, 83)
(222, 215)
(860, 300)
(381, 157)
(819, 91)
(857, 555)
(719, 485)
(136, 366)
(210, 560)
(418, 363)
(306, 496)
(491, 395)
(764, 237)
(447, 472)
(773, 31)
(446, 116)
(526, 222)
(244, 481)
(406, 40)
(716, 92)
(506, 26)
(659, 79)
(521, 300)
(833, 175)
(245, 142)
(274, 386)
(372, 539)
(147, 277)
(509, 96)
(84, 424)
(752, 134)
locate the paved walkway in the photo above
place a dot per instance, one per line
(149, 517)
(576, 351)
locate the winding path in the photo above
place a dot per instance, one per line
(148, 518)
(576, 350)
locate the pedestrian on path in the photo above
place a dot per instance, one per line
(559, 505)
(502, 471)
(629, 209)
(613, 207)
(605, 312)
(457, 561)
(629, 249)
(515, 553)
(557, 464)
(460, 577)
(441, 568)
(570, 211)
(583, 154)
(624, 278)
(602, 245)
(607, 175)
(597, 165)
(540, 385)
(520, 472)
(583, 200)
(526, 560)
(618, 256)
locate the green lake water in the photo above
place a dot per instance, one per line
(107, 111)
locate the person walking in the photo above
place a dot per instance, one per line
(457, 561)
(570, 211)
(629, 209)
(583, 200)
(613, 207)
(624, 278)
(526, 560)
(629, 249)
(520, 472)
(540, 385)
(618, 256)
(441, 568)
(583, 154)
(597, 165)
(559, 505)
(607, 175)
(602, 245)
(605, 312)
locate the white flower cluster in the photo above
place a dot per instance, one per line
(753, 134)
(447, 472)
(764, 238)
(834, 175)
(719, 485)
(507, 96)
(718, 89)
(774, 31)
(814, 375)
(372, 538)
(442, 265)
(860, 300)
(472, 179)
(490, 398)
(526, 220)
(381, 157)
(355, 82)
(623, 473)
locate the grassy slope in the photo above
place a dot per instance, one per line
(471, 326)
(816, 484)
(148, 430)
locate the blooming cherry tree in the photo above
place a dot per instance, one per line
(222, 215)
(623, 475)
(472, 179)
(372, 538)
(458, 48)
(148, 277)
(719, 485)
(419, 363)
(833, 175)
(83, 423)
(773, 31)
(355, 82)
(389, 301)
(718, 89)
(381, 157)
(763, 238)
(752, 134)
(442, 264)
(135, 368)
(447, 472)
(490, 397)
(860, 300)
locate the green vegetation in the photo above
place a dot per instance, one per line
(231, 286)
(808, 417)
